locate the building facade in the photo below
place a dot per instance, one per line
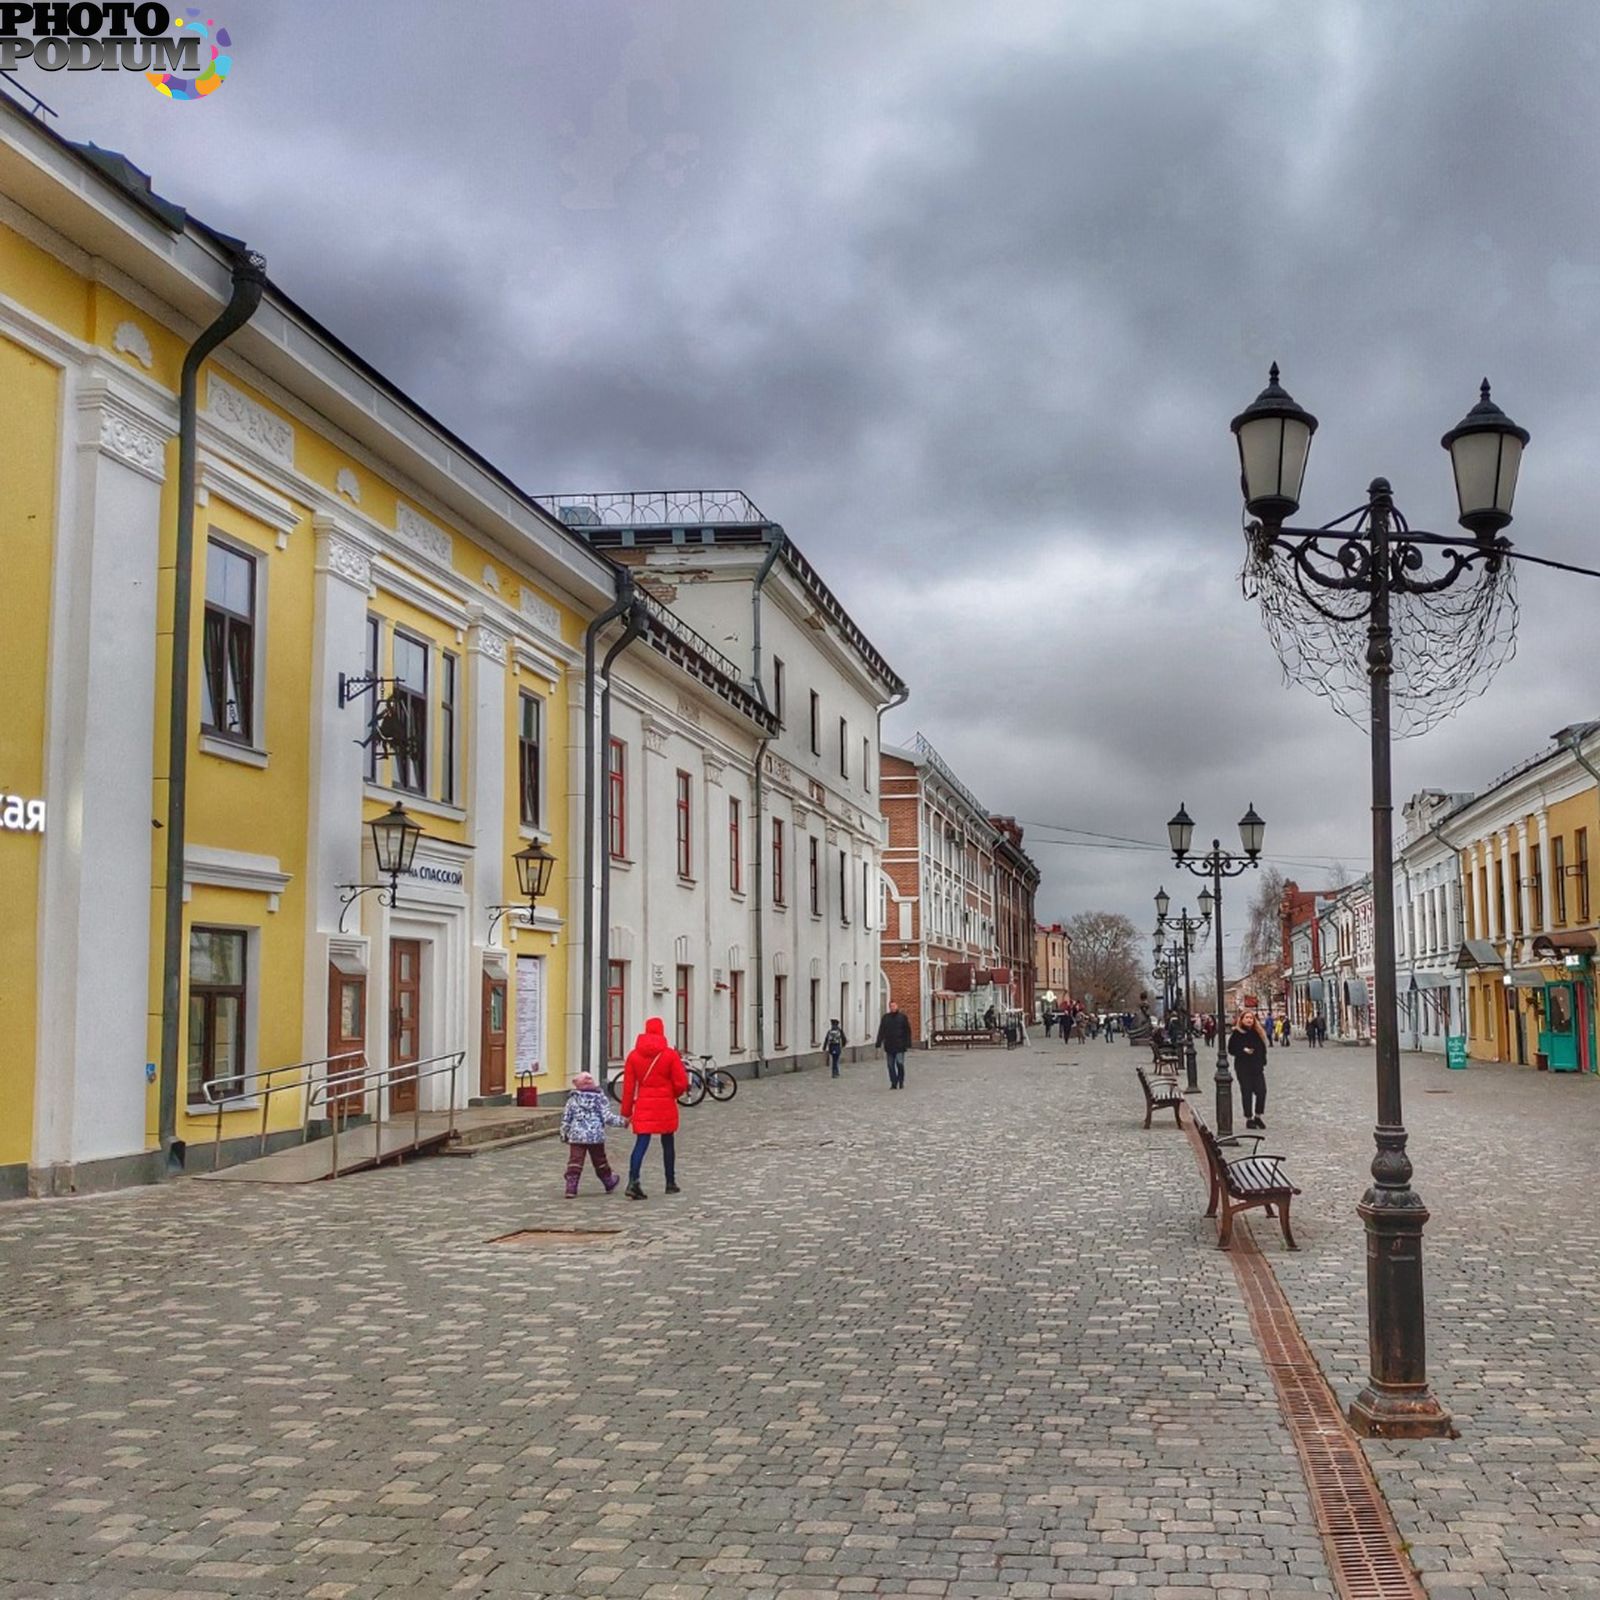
(952, 872)
(1429, 985)
(1052, 963)
(796, 943)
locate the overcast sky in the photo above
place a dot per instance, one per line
(965, 296)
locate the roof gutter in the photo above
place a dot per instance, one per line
(249, 281)
(776, 540)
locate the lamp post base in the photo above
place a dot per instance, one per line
(1224, 1082)
(1383, 1412)
(1191, 1068)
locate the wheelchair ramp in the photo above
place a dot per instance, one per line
(359, 1148)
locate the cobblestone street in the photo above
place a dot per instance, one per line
(973, 1339)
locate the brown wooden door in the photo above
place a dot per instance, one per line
(492, 1057)
(405, 1021)
(347, 1031)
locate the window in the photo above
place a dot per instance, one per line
(779, 893)
(374, 655)
(780, 1006)
(844, 890)
(216, 1010)
(1536, 885)
(680, 1011)
(617, 799)
(735, 846)
(777, 690)
(866, 764)
(685, 856)
(1580, 849)
(1516, 887)
(816, 723)
(1558, 871)
(816, 1011)
(815, 867)
(227, 690)
(616, 1011)
(530, 776)
(735, 1011)
(844, 1009)
(866, 894)
(844, 748)
(447, 728)
(411, 699)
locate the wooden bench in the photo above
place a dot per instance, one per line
(1159, 1094)
(1244, 1183)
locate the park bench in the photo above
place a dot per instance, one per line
(1244, 1183)
(1159, 1094)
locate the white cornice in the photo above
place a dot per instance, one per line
(233, 869)
(389, 575)
(228, 483)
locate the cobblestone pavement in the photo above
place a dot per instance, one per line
(1505, 1158)
(971, 1339)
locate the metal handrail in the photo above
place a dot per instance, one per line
(236, 1090)
(346, 1084)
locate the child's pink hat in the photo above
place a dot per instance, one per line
(585, 1080)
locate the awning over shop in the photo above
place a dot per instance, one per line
(1430, 980)
(1556, 946)
(1355, 991)
(1316, 991)
(1478, 953)
(1526, 978)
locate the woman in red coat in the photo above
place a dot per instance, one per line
(652, 1079)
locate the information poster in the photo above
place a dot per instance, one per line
(1455, 1052)
(530, 1014)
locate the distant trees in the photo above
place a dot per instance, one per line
(1263, 931)
(1105, 959)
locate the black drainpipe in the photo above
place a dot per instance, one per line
(899, 698)
(637, 619)
(776, 540)
(592, 800)
(249, 280)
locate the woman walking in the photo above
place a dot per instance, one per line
(1247, 1044)
(652, 1079)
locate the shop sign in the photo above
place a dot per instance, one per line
(452, 877)
(21, 815)
(1455, 1052)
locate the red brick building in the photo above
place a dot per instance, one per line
(959, 895)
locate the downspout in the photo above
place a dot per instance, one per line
(776, 540)
(624, 585)
(636, 619)
(924, 1003)
(249, 280)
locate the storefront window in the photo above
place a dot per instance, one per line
(216, 1010)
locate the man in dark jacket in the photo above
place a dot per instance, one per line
(894, 1039)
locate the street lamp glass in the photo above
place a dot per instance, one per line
(1163, 902)
(1252, 830)
(394, 841)
(1274, 437)
(534, 865)
(1485, 451)
(1207, 903)
(1181, 831)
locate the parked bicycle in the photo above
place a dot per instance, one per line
(706, 1078)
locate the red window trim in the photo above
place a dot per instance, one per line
(735, 845)
(779, 892)
(685, 849)
(617, 799)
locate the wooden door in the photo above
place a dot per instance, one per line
(405, 1021)
(347, 1031)
(492, 1056)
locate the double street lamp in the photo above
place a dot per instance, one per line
(1217, 865)
(1187, 929)
(1328, 596)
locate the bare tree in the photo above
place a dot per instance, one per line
(1263, 934)
(1105, 959)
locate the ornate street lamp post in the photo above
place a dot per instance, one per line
(1186, 928)
(394, 846)
(1330, 597)
(1219, 864)
(534, 864)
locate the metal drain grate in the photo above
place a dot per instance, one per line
(1358, 1533)
(560, 1236)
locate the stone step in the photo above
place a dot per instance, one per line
(484, 1147)
(485, 1125)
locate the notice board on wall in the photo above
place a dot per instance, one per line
(530, 1014)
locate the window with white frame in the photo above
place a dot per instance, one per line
(411, 700)
(228, 651)
(530, 760)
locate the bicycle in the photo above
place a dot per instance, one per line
(708, 1078)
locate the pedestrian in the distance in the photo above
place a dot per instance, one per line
(584, 1120)
(1066, 1025)
(1208, 1027)
(894, 1039)
(1111, 1027)
(652, 1079)
(833, 1043)
(1247, 1044)
(1283, 1030)
(1049, 1023)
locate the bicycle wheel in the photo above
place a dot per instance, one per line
(614, 1083)
(696, 1092)
(723, 1085)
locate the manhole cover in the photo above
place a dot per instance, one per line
(560, 1236)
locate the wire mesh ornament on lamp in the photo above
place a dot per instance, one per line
(1448, 643)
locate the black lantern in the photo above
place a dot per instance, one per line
(534, 866)
(1180, 831)
(1163, 903)
(1274, 437)
(1206, 902)
(1252, 830)
(394, 841)
(1485, 451)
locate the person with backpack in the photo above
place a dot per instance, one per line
(833, 1043)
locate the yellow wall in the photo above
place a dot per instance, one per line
(30, 405)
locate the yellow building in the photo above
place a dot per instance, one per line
(1530, 902)
(340, 534)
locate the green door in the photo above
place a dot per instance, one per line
(1558, 1039)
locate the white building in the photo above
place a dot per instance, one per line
(792, 941)
(1428, 929)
